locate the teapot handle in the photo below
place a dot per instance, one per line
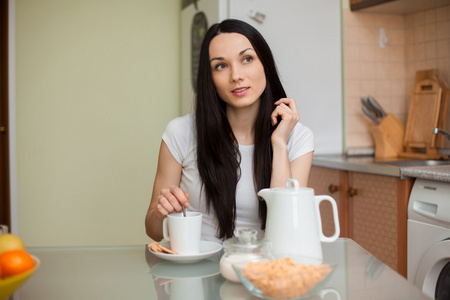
(337, 229)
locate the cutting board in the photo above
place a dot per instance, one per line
(423, 116)
(436, 75)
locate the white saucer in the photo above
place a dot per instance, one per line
(207, 249)
(173, 270)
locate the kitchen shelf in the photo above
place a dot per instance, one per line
(400, 7)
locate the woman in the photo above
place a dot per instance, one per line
(244, 136)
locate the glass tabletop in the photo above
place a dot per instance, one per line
(135, 273)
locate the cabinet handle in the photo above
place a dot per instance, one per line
(2, 128)
(352, 192)
(332, 188)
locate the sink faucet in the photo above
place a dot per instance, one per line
(438, 130)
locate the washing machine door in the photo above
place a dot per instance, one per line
(433, 273)
(443, 283)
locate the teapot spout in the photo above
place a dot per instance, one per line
(265, 194)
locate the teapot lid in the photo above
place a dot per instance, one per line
(246, 242)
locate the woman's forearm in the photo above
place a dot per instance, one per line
(166, 194)
(281, 169)
(153, 226)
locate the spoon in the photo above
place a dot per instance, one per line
(184, 208)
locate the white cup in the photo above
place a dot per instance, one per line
(323, 293)
(183, 233)
(185, 288)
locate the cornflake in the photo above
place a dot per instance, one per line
(284, 279)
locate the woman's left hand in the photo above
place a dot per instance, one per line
(287, 110)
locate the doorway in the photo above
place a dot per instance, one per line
(5, 217)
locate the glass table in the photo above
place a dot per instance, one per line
(135, 273)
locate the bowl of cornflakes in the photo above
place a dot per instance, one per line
(282, 278)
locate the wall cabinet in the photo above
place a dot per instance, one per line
(372, 211)
(360, 4)
(398, 7)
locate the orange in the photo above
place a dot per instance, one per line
(15, 262)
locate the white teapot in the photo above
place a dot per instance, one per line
(293, 224)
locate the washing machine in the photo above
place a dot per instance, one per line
(429, 238)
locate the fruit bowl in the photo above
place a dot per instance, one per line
(10, 284)
(282, 279)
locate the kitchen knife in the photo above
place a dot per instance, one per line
(371, 108)
(376, 106)
(370, 114)
(365, 102)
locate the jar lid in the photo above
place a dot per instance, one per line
(246, 242)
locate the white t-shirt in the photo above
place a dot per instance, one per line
(179, 137)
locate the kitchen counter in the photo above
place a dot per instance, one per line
(367, 164)
(134, 273)
(364, 164)
(436, 173)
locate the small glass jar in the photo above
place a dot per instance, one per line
(245, 248)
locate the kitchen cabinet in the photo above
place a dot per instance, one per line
(372, 211)
(398, 7)
(360, 4)
(326, 181)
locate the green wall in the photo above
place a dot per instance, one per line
(96, 83)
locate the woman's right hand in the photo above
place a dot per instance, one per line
(169, 200)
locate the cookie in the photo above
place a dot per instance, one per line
(157, 247)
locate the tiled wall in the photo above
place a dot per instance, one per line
(415, 42)
(427, 42)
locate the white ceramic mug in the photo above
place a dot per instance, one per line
(183, 233)
(323, 293)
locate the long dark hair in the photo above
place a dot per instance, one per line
(218, 156)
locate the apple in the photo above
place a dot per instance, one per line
(10, 241)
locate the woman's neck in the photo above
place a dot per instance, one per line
(242, 122)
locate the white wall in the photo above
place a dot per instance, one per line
(96, 83)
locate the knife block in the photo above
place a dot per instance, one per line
(388, 137)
